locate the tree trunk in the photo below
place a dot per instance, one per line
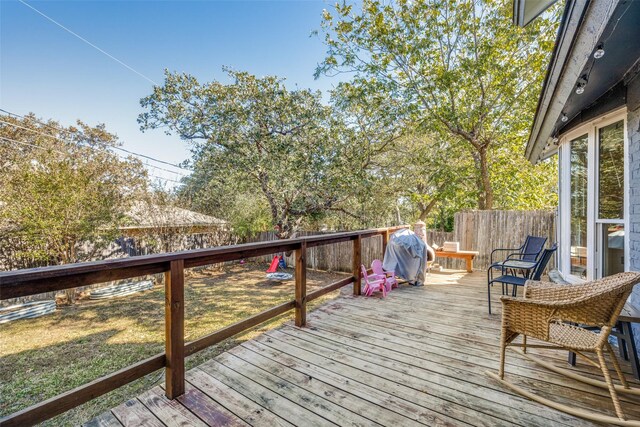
(483, 180)
(425, 210)
(68, 258)
(487, 189)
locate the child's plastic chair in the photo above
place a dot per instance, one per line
(390, 275)
(373, 283)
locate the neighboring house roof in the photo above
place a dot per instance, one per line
(143, 215)
(585, 26)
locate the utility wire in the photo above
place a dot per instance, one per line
(167, 179)
(30, 145)
(88, 146)
(88, 42)
(9, 141)
(151, 158)
(66, 131)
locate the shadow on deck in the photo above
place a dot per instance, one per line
(416, 357)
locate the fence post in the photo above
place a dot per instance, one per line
(357, 261)
(174, 329)
(301, 285)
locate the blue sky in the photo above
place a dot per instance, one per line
(50, 72)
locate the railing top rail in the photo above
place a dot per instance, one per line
(33, 281)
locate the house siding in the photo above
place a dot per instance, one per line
(633, 132)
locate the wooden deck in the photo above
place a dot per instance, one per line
(414, 358)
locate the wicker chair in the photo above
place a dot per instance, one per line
(549, 312)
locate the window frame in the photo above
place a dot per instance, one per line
(594, 261)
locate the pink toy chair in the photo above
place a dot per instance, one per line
(390, 275)
(373, 283)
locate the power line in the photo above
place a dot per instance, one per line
(30, 145)
(66, 131)
(87, 146)
(163, 169)
(8, 141)
(88, 42)
(151, 158)
(167, 179)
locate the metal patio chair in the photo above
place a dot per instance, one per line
(527, 253)
(534, 273)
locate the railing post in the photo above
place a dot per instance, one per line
(301, 285)
(174, 329)
(385, 241)
(357, 261)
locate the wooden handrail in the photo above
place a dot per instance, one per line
(33, 281)
(20, 283)
(63, 402)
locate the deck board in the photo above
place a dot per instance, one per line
(415, 358)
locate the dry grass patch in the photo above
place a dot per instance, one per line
(40, 358)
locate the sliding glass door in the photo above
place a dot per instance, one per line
(592, 211)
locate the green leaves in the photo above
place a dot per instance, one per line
(255, 136)
(460, 69)
(62, 190)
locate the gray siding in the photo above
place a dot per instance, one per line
(633, 130)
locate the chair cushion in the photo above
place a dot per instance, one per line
(573, 337)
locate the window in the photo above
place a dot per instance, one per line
(610, 184)
(611, 171)
(578, 208)
(593, 183)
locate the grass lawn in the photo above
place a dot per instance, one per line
(40, 358)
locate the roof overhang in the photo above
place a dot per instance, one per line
(525, 11)
(582, 27)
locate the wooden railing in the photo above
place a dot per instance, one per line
(22, 283)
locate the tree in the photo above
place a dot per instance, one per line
(63, 192)
(460, 67)
(426, 171)
(254, 136)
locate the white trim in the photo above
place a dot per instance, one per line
(594, 267)
(610, 221)
(571, 279)
(584, 26)
(627, 193)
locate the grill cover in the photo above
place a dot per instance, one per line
(407, 256)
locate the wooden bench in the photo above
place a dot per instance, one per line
(468, 256)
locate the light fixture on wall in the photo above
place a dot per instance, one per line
(582, 82)
(599, 53)
(564, 118)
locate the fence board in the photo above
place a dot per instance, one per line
(480, 231)
(484, 231)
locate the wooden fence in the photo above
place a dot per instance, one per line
(333, 257)
(484, 231)
(480, 231)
